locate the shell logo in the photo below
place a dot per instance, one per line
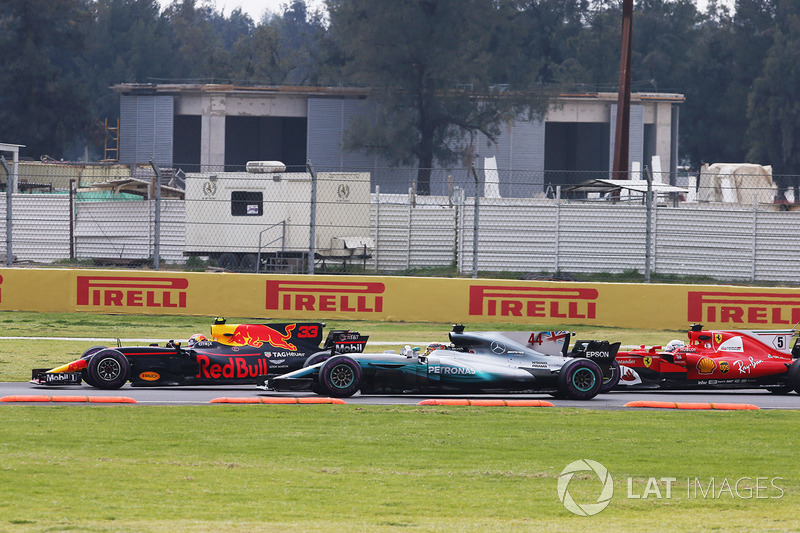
(724, 367)
(150, 376)
(706, 365)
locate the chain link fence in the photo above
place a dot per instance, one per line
(727, 223)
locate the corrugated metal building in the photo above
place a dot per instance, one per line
(201, 127)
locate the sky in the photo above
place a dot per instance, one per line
(256, 8)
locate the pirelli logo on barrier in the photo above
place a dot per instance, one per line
(532, 302)
(743, 307)
(130, 291)
(334, 296)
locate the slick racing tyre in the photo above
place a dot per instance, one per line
(794, 376)
(85, 372)
(108, 369)
(339, 377)
(580, 379)
(317, 358)
(610, 377)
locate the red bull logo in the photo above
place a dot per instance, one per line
(534, 302)
(256, 335)
(230, 367)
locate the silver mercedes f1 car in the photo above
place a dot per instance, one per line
(477, 362)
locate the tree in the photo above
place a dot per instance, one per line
(127, 42)
(42, 105)
(199, 53)
(531, 44)
(774, 104)
(283, 49)
(429, 66)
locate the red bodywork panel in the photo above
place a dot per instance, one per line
(717, 355)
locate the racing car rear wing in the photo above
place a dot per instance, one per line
(344, 341)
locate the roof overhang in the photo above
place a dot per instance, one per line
(134, 186)
(640, 186)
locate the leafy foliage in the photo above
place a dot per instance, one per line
(429, 62)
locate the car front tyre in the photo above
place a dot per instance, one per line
(610, 378)
(339, 376)
(87, 354)
(793, 377)
(108, 369)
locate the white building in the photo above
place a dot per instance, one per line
(204, 127)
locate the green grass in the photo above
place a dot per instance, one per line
(370, 468)
(325, 468)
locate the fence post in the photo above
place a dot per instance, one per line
(312, 226)
(456, 236)
(377, 224)
(558, 228)
(475, 226)
(755, 237)
(9, 225)
(72, 219)
(157, 228)
(411, 201)
(648, 236)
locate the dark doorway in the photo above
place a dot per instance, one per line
(575, 152)
(186, 142)
(265, 139)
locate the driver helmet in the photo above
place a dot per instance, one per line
(673, 345)
(197, 337)
(434, 346)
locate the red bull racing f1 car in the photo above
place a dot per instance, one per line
(474, 362)
(720, 359)
(234, 354)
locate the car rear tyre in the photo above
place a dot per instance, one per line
(580, 379)
(317, 358)
(85, 372)
(339, 377)
(794, 376)
(108, 369)
(610, 377)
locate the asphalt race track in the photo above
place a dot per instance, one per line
(204, 395)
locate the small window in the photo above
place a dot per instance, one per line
(247, 204)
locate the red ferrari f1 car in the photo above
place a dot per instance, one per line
(745, 359)
(234, 354)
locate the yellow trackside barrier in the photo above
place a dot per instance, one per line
(472, 301)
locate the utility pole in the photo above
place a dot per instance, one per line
(622, 132)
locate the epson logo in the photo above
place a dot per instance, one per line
(598, 355)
